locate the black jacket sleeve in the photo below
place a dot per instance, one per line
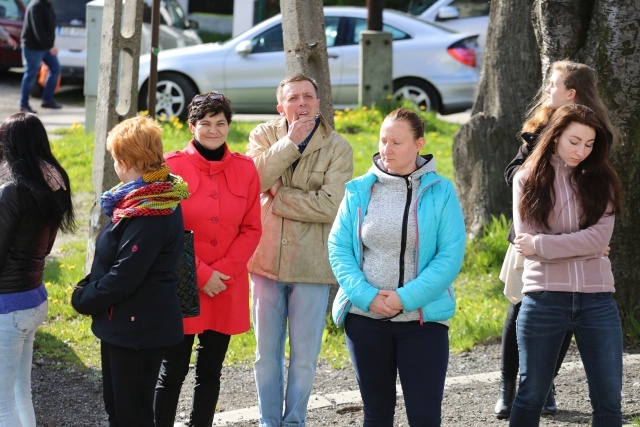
(529, 143)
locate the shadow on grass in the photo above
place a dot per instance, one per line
(48, 349)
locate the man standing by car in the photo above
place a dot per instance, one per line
(38, 36)
(303, 165)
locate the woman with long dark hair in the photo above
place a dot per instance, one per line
(35, 202)
(569, 83)
(566, 196)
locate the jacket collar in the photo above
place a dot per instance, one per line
(210, 167)
(363, 183)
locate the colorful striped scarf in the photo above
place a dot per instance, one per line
(155, 193)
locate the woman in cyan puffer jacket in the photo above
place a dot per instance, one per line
(395, 248)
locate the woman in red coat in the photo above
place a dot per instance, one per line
(224, 213)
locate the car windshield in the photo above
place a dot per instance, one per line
(416, 7)
(70, 12)
(173, 15)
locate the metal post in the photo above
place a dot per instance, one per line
(374, 15)
(153, 64)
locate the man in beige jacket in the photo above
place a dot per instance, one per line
(303, 165)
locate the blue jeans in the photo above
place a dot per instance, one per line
(380, 350)
(304, 306)
(543, 320)
(17, 333)
(32, 60)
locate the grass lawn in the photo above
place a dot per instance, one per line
(67, 337)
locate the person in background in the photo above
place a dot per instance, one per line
(566, 196)
(224, 213)
(38, 37)
(395, 247)
(569, 83)
(131, 290)
(303, 165)
(35, 202)
(5, 37)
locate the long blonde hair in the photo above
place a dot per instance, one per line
(583, 80)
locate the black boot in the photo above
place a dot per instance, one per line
(550, 407)
(506, 394)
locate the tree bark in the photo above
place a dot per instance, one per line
(484, 146)
(117, 99)
(305, 46)
(603, 34)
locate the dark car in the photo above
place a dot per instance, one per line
(11, 17)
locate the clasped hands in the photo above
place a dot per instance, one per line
(215, 284)
(386, 303)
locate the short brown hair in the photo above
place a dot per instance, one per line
(209, 103)
(298, 77)
(137, 142)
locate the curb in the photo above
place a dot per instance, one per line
(318, 401)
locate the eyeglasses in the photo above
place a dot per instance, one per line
(208, 97)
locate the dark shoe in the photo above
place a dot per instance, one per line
(27, 109)
(53, 105)
(550, 407)
(506, 394)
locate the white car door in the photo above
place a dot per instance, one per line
(251, 78)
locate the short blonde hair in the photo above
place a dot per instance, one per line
(137, 142)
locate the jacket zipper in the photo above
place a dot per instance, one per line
(403, 237)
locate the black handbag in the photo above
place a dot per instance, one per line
(187, 280)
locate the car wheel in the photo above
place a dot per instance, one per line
(173, 94)
(421, 93)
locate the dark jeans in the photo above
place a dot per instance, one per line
(510, 363)
(210, 352)
(128, 379)
(32, 61)
(543, 321)
(380, 350)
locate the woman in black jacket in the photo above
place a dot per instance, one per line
(131, 290)
(35, 201)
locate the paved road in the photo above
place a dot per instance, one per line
(70, 97)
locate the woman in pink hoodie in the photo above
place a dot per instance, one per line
(565, 197)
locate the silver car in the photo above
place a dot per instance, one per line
(433, 66)
(459, 15)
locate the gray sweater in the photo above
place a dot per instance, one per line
(382, 232)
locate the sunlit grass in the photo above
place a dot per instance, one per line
(67, 337)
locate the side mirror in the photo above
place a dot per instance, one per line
(244, 48)
(447, 13)
(194, 24)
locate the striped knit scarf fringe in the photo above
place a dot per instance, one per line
(154, 194)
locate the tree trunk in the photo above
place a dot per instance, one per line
(484, 146)
(117, 99)
(305, 46)
(603, 34)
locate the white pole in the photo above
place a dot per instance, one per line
(242, 15)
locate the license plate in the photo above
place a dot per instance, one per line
(72, 31)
